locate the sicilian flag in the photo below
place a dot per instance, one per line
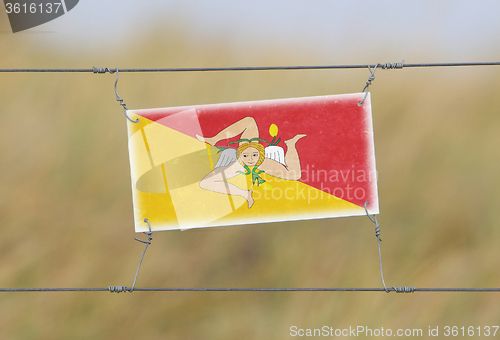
(252, 162)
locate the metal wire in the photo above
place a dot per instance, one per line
(257, 68)
(114, 289)
(148, 242)
(377, 235)
(365, 90)
(124, 289)
(118, 98)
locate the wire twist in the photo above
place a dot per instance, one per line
(123, 289)
(118, 289)
(389, 66)
(374, 220)
(377, 234)
(368, 83)
(103, 70)
(147, 242)
(404, 289)
(386, 66)
(118, 99)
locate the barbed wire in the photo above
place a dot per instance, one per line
(385, 66)
(122, 289)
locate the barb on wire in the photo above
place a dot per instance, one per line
(389, 66)
(404, 289)
(103, 70)
(118, 289)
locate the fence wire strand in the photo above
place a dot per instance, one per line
(253, 68)
(125, 289)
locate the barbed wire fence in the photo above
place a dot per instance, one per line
(371, 67)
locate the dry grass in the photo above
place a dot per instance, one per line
(66, 210)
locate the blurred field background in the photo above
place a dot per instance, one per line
(66, 208)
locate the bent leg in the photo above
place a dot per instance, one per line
(216, 181)
(293, 170)
(247, 127)
(292, 159)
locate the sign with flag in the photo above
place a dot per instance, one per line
(252, 162)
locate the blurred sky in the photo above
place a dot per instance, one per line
(337, 31)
